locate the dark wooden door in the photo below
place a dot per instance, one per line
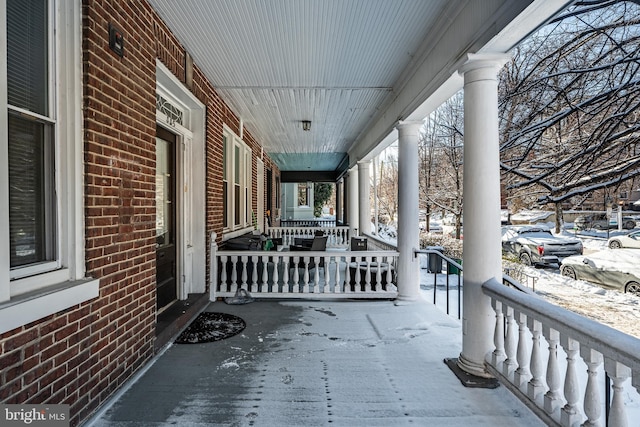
(166, 270)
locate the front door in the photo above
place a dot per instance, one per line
(166, 271)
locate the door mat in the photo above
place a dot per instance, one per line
(208, 327)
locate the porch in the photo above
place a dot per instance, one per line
(312, 363)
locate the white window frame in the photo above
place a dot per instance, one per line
(245, 175)
(27, 295)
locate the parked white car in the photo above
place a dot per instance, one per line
(631, 240)
(619, 269)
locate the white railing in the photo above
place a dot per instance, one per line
(577, 346)
(376, 243)
(303, 274)
(338, 237)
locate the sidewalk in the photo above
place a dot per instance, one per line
(317, 363)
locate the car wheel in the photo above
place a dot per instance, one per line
(525, 258)
(633, 288)
(629, 225)
(568, 272)
(615, 244)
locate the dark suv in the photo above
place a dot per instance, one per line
(599, 221)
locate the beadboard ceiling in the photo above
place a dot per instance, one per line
(339, 63)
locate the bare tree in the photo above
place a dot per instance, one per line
(441, 151)
(569, 105)
(388, 188)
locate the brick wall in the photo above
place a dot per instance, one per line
(82, 355)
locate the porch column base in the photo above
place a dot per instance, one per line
(405, 300)
(470, 380)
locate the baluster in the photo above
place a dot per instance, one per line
(254, 274)
(570, 414)
(285, 274)
(275, 287)
(618, 373)
(336, 287)
(522, 374)
(305, 275)
(378, 281)
(552, 398)
(356, 275)
(316, 275)
(327, 274)
(296, 275)
(498, 355)
(244, 276)
(536, 386)
(367, 275)
(234, 273)
(510, 364)
(592, 395)
(265, 274)
(224, 285)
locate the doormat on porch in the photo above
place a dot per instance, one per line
(208, 327)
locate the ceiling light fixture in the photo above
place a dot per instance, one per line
(306, 125)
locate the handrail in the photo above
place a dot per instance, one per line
(506, 280)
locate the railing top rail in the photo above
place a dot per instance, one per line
(610, 342)
(296, 227)
(379, 240)
(309, 253)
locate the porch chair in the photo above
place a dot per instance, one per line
(357, 244)
(319, 244)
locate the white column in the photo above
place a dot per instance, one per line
(408, 239)
(352, 196)
(364, 190)
(338, 205)
(482, 247)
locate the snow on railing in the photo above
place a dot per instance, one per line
(524, 323)
(338, 237)
(376, 243)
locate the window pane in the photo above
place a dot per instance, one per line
(302, 194)
(27, 55)
(236, 169)
(163, 193)
(31, 202)
(224, 158)
(237, 201)
(225, 204)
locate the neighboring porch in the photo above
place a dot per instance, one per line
(344, 267)
(317, 363)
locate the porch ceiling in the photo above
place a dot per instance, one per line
(351, 67)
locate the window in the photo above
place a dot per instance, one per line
(32, 209)
(303, 194)
(237, 179)
(41, 161)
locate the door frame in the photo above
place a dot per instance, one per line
(189, 128)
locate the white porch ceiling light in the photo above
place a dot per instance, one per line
(306, 125)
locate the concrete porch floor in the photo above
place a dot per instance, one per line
(316, 363)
